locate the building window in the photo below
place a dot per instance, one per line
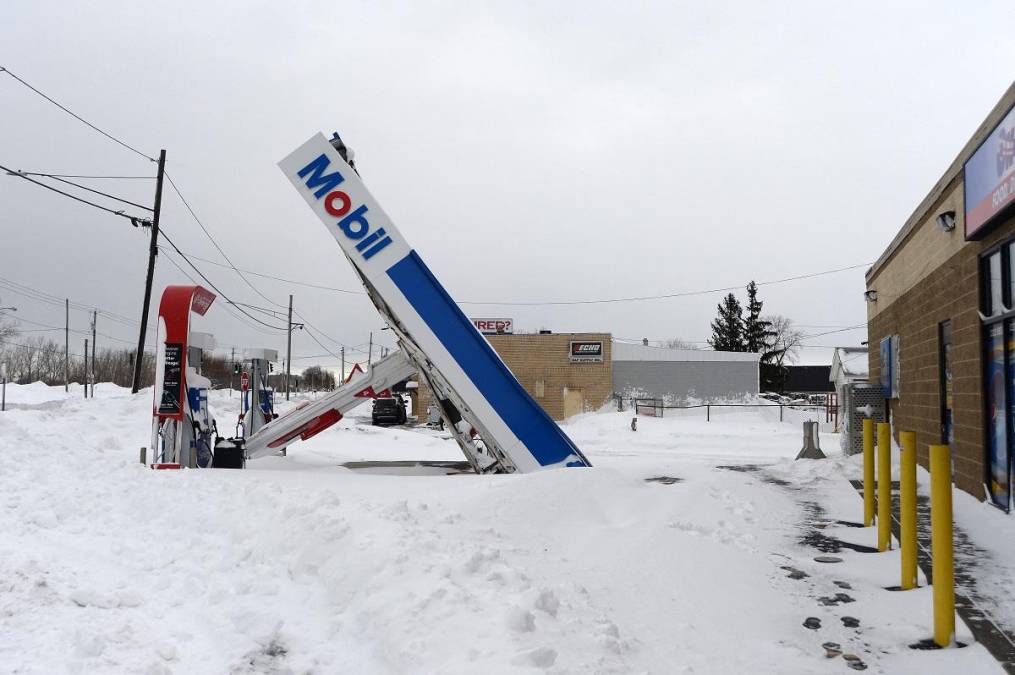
(996, 294)
(540, 388)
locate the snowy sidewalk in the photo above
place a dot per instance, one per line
(981, 611)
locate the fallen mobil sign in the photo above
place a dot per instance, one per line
(479, 395)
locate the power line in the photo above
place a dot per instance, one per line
(561, 302)
(98, 192)
(217, 289)
(134, 219)
(829, 332)
(282, 279)
(89, 176)
(665, 296)
(215, 243)
(227, 308)
(77, 117)
(34, 348)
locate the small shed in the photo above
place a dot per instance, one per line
(849, 366)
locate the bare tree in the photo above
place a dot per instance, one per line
(678, 343)
(786, 339)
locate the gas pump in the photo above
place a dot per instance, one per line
(183, 431)
(257, 399)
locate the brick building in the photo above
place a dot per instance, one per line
(566, 373)
(941, 313)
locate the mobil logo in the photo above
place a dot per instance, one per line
(352, 219)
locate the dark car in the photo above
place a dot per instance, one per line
(388, 411)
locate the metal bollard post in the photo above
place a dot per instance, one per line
(884, 486)
(708, 413)
(942, 561)
(780, 412)
(907, 508)
(144, 454)
(868, 472)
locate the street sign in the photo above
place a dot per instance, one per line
(244, 381)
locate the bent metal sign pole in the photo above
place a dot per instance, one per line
(442, 341)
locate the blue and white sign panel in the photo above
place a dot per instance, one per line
(375, 247)
(990, 177)
(885, 361)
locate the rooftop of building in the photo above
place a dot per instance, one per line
(853, 361)
(625, 351)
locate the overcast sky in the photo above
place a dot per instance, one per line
(531, 152)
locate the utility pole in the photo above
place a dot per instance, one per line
(370, 351)
(289, 347)
(153, 250)
(232, 367)
(66, 346)
(343, 368)
(86, 368)
(95, 320)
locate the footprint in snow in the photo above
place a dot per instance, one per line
(541, 657)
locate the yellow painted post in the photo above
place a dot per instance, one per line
(868, 472)
(943, 564)
(907, 508)
(884, 486)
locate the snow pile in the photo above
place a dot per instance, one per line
(298, 565)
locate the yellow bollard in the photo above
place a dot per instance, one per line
(907, 508)
(942, 561)
(868, 472)
(884, 486)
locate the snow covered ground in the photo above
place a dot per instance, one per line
(298, 565)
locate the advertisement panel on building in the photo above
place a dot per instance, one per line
(494, 326)
(885, 362)
(896, 367)
(997, 408)
(586, 352)
(989, 177)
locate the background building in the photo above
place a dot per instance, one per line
(680, 375)
(571, 373)
(566, 373)
(808, 380)
(941, 307)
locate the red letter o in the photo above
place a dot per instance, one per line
(339, 195)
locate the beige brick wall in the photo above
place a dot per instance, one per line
(542, 366)
(926, 249)
(948, 291)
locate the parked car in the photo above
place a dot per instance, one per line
(388, 411)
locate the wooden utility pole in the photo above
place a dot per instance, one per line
(153, 250)
(232, 368)
(370, 351)
(66, 346)
(342, 379)
(289, 347)
(86, 368)
(95, 320)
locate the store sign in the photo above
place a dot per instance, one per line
(891, 374)
(990, 177)
(494, 326)
(586, 352)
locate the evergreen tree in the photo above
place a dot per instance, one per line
(728, 327)
(757, 333)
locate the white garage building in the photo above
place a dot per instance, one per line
(683, 375)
